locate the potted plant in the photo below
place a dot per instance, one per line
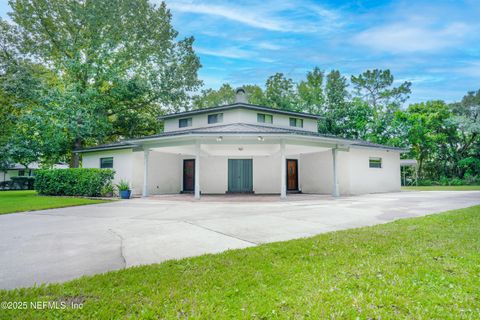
(124, 189)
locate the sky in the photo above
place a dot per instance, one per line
(433, 44)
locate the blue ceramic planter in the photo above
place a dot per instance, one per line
(125, 194)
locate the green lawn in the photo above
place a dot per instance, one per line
(420, 268)
(442, 188)
(28, 200)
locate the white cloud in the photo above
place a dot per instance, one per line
(269, 46)
(271, 15)
(232, 53)
(409, 37)
(249, 17)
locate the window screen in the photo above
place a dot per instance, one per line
(264, 118)
(187, 122)
(106, 163)
(215, 118)
(375, 162)
(295, 122)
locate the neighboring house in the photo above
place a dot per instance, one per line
(18, 170)
(247, 148)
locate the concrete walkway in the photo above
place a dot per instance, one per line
(61, 244)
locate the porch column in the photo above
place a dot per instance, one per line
(197, 171)
(146, 154)
(283, 172)
(335, 189)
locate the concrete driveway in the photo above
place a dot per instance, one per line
(61, 244)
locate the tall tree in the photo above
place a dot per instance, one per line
(464, 147)
(226, 95)
(426, 131)
(338, 115)
(212, 98)
(117, 63)
(376, 88)
(311, 92)
(255, 94)
(280, 93)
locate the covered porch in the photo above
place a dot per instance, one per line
(238, 164)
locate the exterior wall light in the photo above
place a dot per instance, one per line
(219, 139)
(260, 138)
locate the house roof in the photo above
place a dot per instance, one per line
(36, 165)
(235, 128)
(239, 105)
(408, 162)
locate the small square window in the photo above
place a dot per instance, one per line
(106, 163)
(264, 118)
(187, 122)
(21, 173)
(215, 118)
(375, 162)
(295, 122)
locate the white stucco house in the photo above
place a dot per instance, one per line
(245, 148)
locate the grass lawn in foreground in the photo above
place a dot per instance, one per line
(28, 200)
(419, 268)
(442, 188)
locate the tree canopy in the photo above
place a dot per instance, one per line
(115, 66)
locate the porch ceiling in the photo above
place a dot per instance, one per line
(239, 149)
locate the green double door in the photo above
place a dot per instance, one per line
(240, 175)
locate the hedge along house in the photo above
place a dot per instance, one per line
(245, 148)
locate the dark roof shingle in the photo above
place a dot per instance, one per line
(236, 128)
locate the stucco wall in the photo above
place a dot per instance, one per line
(266, 174)
(354, 174)
(164, 173)
(250, 116)
(316, 172)
(237, 116)
(370, 180)
(201, 120)
(214, 173)
(122, 162)
(137, 172)
(164, 169)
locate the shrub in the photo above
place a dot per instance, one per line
(73, 182)
(456, 182)
(425, 182)
(22, 183)
(471, 180)
(123, 185)
(108, 190)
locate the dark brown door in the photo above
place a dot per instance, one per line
(292, 174)
(189, 175)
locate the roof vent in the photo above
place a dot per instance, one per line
(240, 95)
